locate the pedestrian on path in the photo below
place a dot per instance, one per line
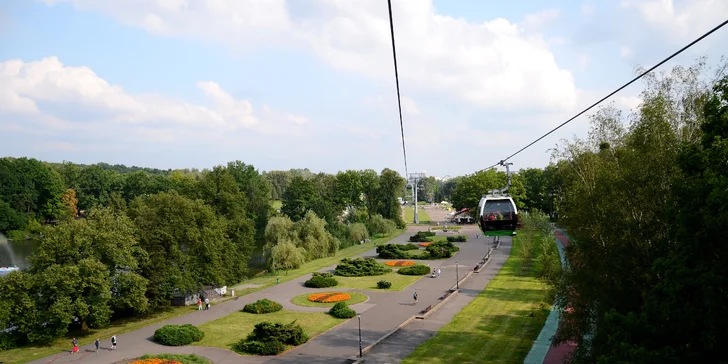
(97, 343)
(74, 342)
(207, 303)
(199, 304)
(415, 297)
(438, 272)
(113, 342)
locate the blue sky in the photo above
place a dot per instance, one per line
(309, 83)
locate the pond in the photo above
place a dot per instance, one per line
(15, 253)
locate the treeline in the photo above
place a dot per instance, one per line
(146, 238)
(644, 199)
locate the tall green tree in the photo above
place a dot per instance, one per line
(257, 192)
(299, 198)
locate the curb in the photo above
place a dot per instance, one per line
(437, 306)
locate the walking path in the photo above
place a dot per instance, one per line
(383, 312)
(400, 345)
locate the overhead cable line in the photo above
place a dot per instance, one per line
(612, 93)
(396, 77)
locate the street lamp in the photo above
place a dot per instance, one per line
(457, 276)
(359, 317)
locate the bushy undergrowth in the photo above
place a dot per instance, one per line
(457, 239)
(384, 284)
(422, 236)
(436, 250)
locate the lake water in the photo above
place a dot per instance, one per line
(15, 253)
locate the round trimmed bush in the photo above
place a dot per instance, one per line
(415, 270)
(271, 347)
(271, 338)
(178, 335)
(384, 284)
(321, 280)
(262, 306)
(341, 310)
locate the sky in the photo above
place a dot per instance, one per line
(310, 83)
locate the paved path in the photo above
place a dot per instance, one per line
(382, 313)
(400, 345)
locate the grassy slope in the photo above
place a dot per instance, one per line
(30, 353)
(498, 326)
(226, 331)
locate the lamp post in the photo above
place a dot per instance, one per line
(359, 317)
(457, 276)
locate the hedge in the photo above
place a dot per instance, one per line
(341, 310)
(271, 338)
(457, 239)
(384, 284)
(321, 280)
(262, 306)
(178, 335)
(360, 267)
(415, 270)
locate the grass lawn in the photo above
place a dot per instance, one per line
(409, 215)
(227, 331)
(302, 300)
(267, 280)
(497, 326)
(399, 281)
(33, 352)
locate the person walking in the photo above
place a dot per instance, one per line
(199, 304)
(74, 342)
(415, 297)
(113, 342)
(207, 303)
(97, 343)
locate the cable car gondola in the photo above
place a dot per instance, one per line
(496, 211)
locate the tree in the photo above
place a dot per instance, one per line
(187, 246)
(70, 203)
(298, 198)
(279, 181)
(257, 192)
(285, 255)
(390, 183)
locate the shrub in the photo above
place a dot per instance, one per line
(178, 335)
(262, 306)
(442, 249)
(415, 270)
(457, 239)
(341, 310)
(321, 280)
(408, 246)
(269, 338)
(391, 251)
(360, 267)
(384, 284)
(421, 236)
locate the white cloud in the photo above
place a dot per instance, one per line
(681, 21)
(625, 52)
(583, 61)
(495, 64)
(587, 9)
(25, 85)
(409, 107)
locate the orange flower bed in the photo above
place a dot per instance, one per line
(156, 361)
(400, 263)
(425, 245)
(329, 297)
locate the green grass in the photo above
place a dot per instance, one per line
(182, 358)
(499, 325)
(409, 215)
(227, 331)
(302, 300)
(32, 352)
(269, 279)
(399, 281)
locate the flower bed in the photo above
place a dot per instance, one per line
(156, 361)
(399, 263)
(425, 245)
(329, 297)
